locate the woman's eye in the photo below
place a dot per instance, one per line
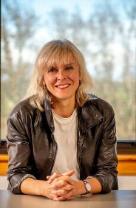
(52, 69)
(69, 68)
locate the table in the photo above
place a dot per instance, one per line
(115, 199)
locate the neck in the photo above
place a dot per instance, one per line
(64, 108)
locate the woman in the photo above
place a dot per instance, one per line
(61, 140)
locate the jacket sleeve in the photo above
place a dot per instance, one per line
(19, 167)
(106, 164)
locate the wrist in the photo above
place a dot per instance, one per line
(82, 189)
(33, 186)
(42, 188)
(95, 184)
(87, 186)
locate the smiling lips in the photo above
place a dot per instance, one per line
(62, 86)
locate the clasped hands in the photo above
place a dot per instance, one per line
(63, 187)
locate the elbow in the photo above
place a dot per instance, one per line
(14, 186)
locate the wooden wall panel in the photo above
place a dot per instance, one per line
(126, 165)
(3, 164)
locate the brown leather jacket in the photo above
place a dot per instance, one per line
(32, 148)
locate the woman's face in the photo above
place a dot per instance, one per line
(62, 80)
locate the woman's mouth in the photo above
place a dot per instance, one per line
(62, 86)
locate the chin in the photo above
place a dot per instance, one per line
(64, 97)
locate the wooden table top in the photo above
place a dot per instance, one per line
(115, 199)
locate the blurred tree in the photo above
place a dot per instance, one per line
(128, 34)
(78, 30)
(109, 26)
(103, 25)
(69, 26)
(18, 26)
(59, 23)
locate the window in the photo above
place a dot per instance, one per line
(104, 31)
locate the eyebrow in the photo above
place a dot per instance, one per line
(69, 64)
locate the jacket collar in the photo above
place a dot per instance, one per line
(88, 115)
(48, 112)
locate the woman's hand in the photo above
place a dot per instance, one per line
(52, 185)
(56, 175)
(49, 190)
(77, 187)
(62, 187)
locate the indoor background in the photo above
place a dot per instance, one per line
(104, 30)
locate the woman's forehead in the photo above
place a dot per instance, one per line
(61, 59)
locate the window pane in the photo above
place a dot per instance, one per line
(105, 31)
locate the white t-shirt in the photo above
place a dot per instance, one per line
(65, 135)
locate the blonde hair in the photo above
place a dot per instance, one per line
(57, 51)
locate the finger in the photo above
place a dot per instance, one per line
(68, 195)
(68, 187)
(67, 179)
(62, 181)
(53, 177)
(59, 198)
(58, 184)
(47, 177)
(60, 192)
(56, 197)
(69, 173)
(56, 175)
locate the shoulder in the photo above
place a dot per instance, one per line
(22, 109)
(100, 105)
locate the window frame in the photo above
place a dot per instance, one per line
(123, 146)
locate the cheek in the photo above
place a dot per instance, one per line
(76, 77)
(48, 80)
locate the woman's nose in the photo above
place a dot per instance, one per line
(61, 74)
